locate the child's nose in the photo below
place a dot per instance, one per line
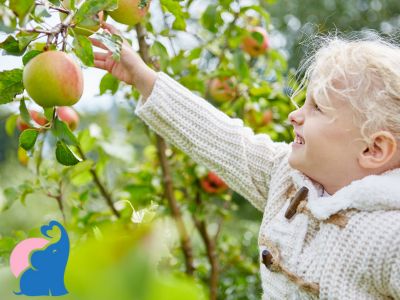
(296, 117)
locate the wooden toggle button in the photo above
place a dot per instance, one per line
(298, 197)
(267, 259)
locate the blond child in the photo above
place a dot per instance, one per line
(331, 198)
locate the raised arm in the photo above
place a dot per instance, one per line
(210, 137)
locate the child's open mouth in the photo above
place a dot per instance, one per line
(299, 140)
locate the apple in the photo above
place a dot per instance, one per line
(257, 119)
(130, 12)
(23, 157)
(53, 78)
(222, 89)
(69, 116)
(252, 45)
(212, 184)
(86, 27)
(21, 124)
(36, 116)
(267, 117)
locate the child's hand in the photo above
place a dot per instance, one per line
(130, 69)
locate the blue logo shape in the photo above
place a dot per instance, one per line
(45, 276)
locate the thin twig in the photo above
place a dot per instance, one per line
(211, 248)
(51, 6)
(103, 190)
(59, 199)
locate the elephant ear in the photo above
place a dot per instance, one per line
(46, 228)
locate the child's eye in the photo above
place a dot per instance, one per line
(317, 108)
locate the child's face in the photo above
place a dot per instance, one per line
(330, 150)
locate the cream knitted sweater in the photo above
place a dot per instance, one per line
(358, 261)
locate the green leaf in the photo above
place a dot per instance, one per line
(25, 189)
(22, 8)
(10, 124)
(11, 46)
(92, 7)
(240, 64)
(139, 192)
(86, 141)
(29, 55)
(179, 24)
(25, 38)
(27, 139)
(264, 90)
(62, 131)
(109, 83)
(112, 41)
(175, 8)
(65, 156)
(80, 168)
(23, 111)
(258, 37)
(42, 46)
(209, 18)
(82, 179)
(10, 85)
(49, 113)
(263, 12)
(158, 49)
(55, 2)
(80, 173)
(83, 49)
(11, 195)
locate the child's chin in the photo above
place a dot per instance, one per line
(295, 161)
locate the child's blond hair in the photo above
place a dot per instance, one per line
(365, 72)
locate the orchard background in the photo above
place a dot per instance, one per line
(145, 221)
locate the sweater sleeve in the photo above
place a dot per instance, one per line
(211, 138)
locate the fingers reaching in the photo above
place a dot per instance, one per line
(101, 64)
(110, 28)
(101, 55)
(98, 44)
(100, 60)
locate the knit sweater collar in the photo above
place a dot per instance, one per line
(373, 192)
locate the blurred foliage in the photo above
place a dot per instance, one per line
(296, 22)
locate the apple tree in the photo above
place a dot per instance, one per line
(108, 168)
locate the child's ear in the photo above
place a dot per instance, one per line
(379, 152)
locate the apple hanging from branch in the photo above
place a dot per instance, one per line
(256, 42)
(52, 78)
(22, 156)
(258, 119)
(223, 89)
(69, 116)
(130, 12)
(36, 116)
(212, 184)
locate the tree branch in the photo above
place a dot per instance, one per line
(175, 210)
(106, 195)
(51, 6)
(59, 199)
(167, 178)
(211, 248)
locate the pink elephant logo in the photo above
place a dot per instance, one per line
(40, 263)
